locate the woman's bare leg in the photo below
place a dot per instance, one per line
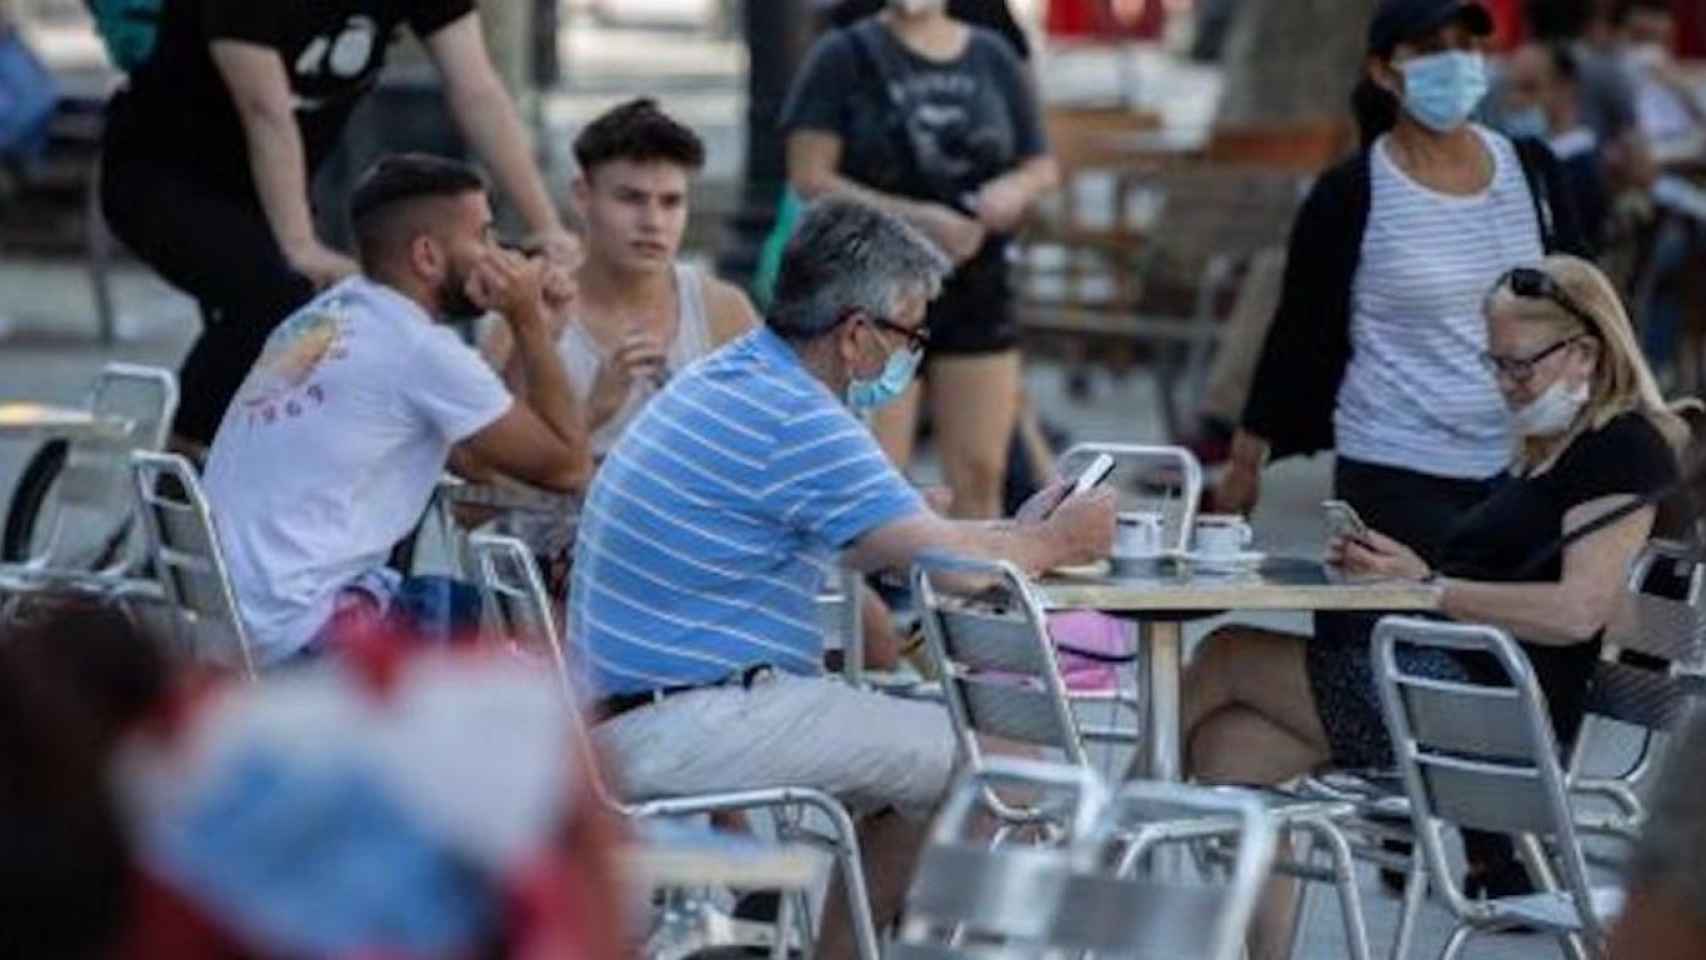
(896, 427)
(974, 404)
(1250, 718)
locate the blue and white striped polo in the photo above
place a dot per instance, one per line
(707, 530)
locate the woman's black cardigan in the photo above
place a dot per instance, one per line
(1308, 346)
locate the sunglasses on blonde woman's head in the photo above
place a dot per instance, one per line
(1532, 284)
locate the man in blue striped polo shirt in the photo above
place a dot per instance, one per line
(706, 534)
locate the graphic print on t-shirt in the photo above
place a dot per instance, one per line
(282, 382)
(322, 71)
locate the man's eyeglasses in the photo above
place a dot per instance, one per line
(917, 338)
(1532, 284)
(1520, 369)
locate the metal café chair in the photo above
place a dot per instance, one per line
(998, 670)
(514, 592)
(971, 900)
(967, 892)
(188, 562)
(1195, 921)
(83, 535)
(1649, 675)
(1485, 758)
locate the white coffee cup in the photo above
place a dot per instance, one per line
(1138, 535)
(1222, 534)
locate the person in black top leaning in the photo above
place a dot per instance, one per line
(936, 122)
(1592, 434)
(210, 147)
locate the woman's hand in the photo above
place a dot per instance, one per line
(1376, 554)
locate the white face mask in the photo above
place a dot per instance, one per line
(1551, 413)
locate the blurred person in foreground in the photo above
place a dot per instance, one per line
(211, 143)
(1591, 434)
(937, 123)
(338, 437)
(74, 679)
(710, 527)
(1664, 910)
(426, 804)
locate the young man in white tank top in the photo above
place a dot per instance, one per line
(640, 316)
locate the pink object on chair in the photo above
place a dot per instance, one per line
(1095, 633)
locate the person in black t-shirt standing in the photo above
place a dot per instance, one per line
(937, 123)
(211, 146)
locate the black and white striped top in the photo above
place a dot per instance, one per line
(1417, 394)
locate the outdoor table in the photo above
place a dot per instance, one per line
(25, 419)
(1162, 598)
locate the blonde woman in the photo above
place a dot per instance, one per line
(1592, 435)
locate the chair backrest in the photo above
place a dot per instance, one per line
(969, 899)
(1168, 480)
(1473, 755)
(92, 503)
(966, 889)
(1207, 919)
(514, 592)
(183, 545)
(1652, 667)
(999, 673)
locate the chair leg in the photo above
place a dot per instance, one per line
(1575, 947)
(806, 924)
(1454, 946)
(852, 879)
(784, 922)
(1344, 872)
(1415, 891)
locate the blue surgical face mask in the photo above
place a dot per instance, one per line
(1527, 122)
(867, 395)
(1441, 90)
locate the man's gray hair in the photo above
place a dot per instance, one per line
(850, 256)
(1672, 853)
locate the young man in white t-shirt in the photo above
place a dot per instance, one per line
(333, 447)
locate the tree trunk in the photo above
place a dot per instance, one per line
(1293, 61)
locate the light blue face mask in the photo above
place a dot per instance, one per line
(867, 395)
(1441, 90)
(1528, 122)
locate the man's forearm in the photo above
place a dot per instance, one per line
(835, 184)
(547, 385)
(280, 173)
(487, 117)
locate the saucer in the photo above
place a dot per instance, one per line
(1239, 562)
(1085, 571)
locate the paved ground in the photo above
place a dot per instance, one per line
(46, 325)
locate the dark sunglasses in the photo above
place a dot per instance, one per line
(917, 338)
(1532, 284)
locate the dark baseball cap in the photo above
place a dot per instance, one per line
(1400, 20)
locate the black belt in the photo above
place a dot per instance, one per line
(613, 706)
